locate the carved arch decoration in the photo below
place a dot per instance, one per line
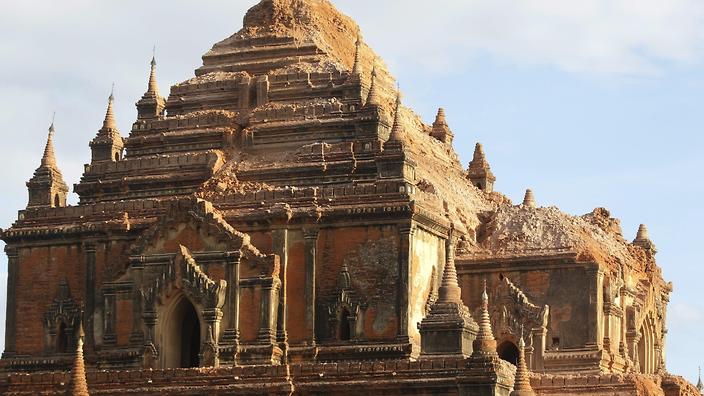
(195, 211)
(62, 321)
(182, 273)
(345, 299)
(512, 314)
(646, 328)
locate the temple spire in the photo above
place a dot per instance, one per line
(373, 96)
(521, 385)
(153, 88)
(485, 343)
(79, 385)
(109, 122)
(448, 328)
(449, 290)
(107, 144)
(357, 66)
(47, 187)
(441, 131)
(49, 158)
(700, 386)
(529, 199)
(643, 239)
(479, 171)
(151, 105)
(396, 134)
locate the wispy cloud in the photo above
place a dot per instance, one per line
(587, 36)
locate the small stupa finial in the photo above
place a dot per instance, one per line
(357, 66)
(79, 385)
(485, 343)
(440, 117)
(153, 87)
(396, 133)
(521, 384)
(449, 290)
(49, 158)
(479, 172)
(643, 239)
(373, 96)
(109, 121)
(529, 199)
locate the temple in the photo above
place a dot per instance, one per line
(282, 224)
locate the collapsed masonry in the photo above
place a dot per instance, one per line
(282, 216)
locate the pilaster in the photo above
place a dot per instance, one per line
(13, 261)
(405, 245)
(280, 247)
(89, 249)
(310, 236)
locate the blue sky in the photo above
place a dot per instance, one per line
(589, 103)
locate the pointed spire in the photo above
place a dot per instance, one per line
(485, 343)
(479, 171)
(642, 233)
(440, 117)
(643, 239)
(449, 290)
(107, 144)
(153, 88)
(373, 96)
(521, 384)
(79, 385)
(47, 187)
(700, 386)
(396, 134)
(151, 105)
(357, 67)
(479, 155)
(529, 199)
(109, 122)
(441, 130)
(49, 159)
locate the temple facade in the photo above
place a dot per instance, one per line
(281, 224)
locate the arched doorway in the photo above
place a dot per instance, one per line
(62, 338)
(343, 331)
(181, 336)
(508, 351)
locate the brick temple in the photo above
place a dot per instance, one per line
(281, 224)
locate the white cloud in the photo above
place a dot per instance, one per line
(586, 36)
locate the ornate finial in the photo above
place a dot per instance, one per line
(521, 384)
(109, 122)
(479, 154)
(48, 158)
(700, 386)
(79, 385)
(529, 199)
(440, 118)
(153, 87)
(441, 131)
(485, 343)
(373, 96)
(449, 290)
(357, 67)
(479, 171)
(643, 239)
(396, 133)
